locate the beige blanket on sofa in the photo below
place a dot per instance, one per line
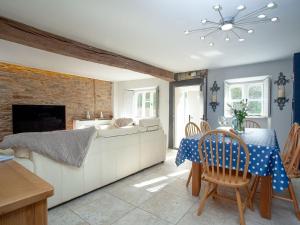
(67, 146)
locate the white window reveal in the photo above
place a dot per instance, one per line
(255, 89)
(145, 102)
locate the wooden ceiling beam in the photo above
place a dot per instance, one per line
(26, 35)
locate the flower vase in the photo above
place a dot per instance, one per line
(240, 128)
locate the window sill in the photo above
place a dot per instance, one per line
(251, 117)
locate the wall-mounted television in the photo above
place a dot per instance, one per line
(38, 118)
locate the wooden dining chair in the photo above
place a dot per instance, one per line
(191, 129)
(251, 124)
(215, 173)
(291, 160)
(204, 127)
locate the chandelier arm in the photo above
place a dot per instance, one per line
(211, 32)
(252, 14)
(238, 36)
(212, 22)
(241, 28)
(222, 18)
(253, 22)
(202, 29)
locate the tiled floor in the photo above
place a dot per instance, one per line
(158, 196)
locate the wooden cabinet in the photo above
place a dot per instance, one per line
(23, 196)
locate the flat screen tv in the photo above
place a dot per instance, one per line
(38, 118)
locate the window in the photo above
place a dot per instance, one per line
(145, 103)
(255, 90)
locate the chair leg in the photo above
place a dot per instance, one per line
(240, 206)
(203, 200)
(295, 202)
(253, 191)
(189, 178)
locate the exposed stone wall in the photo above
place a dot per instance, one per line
(190, 75)
(24, 85)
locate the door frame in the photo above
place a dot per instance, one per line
(202, 81)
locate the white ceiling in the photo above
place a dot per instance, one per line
(23, 55)
(152, 30)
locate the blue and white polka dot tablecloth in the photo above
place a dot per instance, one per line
(264, 151)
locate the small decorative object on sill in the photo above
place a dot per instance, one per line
(214, 101)
(281, 98)
(101, 115)
(239, 112)
(88, 115)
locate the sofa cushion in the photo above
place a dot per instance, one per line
(118, 131)
(123, 122)
(149, 122)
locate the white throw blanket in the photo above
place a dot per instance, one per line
(67, 146)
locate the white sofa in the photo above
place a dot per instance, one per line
(112, 155)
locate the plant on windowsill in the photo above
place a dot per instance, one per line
(239, 111)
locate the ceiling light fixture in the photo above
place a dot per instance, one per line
(261, 16)
(235, 25)
(241, 7)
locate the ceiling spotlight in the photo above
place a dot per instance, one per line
(202, 37)
(227, 26)
(274, 19)
(204, 21)
(211, 44)
(241, 7)
(241, 39)
(250, 31)
(261, 16)
(271, 5)
(186, 32)
(227, 39)
(217, 7)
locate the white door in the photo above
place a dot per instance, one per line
(189, 102)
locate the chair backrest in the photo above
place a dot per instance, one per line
(224, 146)
(251, 124)
(191, 129)
(291, 151)
(204, 127)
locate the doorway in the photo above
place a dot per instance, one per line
(187, 103)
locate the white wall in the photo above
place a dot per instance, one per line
(122, 108)
(279, 120)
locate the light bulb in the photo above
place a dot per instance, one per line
(227, 26)
(241, 39)
(217, 7)
(211, 44)
(274, 19)
(186, 32)
(202, 37)
(250, 31)
(271, 5)
(261, 16)
(241, 7)
(204, 21)
(227, 39)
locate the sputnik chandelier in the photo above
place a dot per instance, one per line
(234, 26)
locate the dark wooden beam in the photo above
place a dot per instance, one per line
(26, 35)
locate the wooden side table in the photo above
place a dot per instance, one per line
(23, 196)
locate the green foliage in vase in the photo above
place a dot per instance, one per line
(240, 110)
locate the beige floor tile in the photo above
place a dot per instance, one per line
(140, 217)
(106, 210)
(62, 215)
(167, 206)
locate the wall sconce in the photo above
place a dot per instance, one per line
(281, 99)
(214, 100)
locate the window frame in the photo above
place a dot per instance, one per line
(153, 99)
(245, 84)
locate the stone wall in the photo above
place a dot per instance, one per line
(24, 85)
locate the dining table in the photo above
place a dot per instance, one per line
(265, 161)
